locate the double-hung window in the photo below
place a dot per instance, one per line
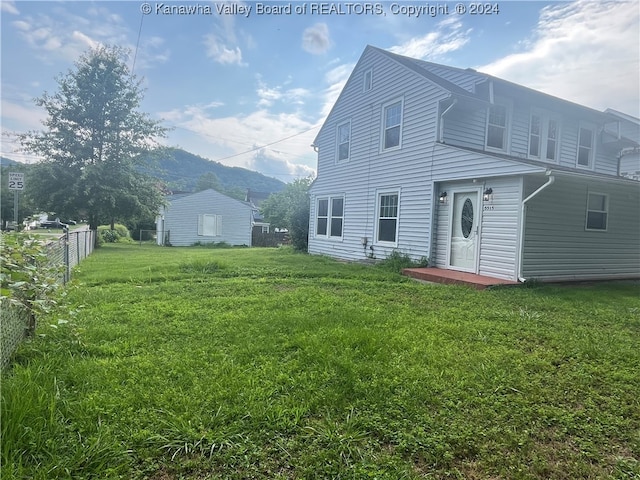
(330, 217)
(368, 80)
(343, 138)
(392, 125)
(597, 211)
(497, 127)
(586, 139)
(544, 136)
(387, 218)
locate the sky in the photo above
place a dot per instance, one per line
(249, 84)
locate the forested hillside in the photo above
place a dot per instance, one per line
(181, 170)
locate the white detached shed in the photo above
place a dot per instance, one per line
(204, 217)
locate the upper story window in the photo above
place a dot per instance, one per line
(344, 141)
(392, 128)
(497, 124)
(544, 133)
(387, 217)
(597, 211)
(586, 139)
(330, 217)
(368, 80)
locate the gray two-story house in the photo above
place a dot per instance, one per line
(476, 174)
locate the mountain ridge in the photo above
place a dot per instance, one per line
(180, 170)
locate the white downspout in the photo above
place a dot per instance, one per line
(441, 132)
(522, 221)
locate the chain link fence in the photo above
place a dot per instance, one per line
(66, 251)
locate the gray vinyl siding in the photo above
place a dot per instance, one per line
(181, 219)
(450, 163)
(370, 170)
(554, 245)
(465, 128)
(558, 247)
(499, 227)
(520, 119)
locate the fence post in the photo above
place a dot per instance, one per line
(67, 274)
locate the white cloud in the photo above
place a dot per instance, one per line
(269, 95)
(9, 6)
(335, 79)
(316, 40)
(23, 117)
(222, 44)
(221, 53)
(69, 35)
(449, 36)
(271, 143)
(585, 51)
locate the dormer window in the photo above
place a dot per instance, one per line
(586, 139)
(497, 127)
(544, 133)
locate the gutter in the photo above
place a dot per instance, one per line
(523, 214)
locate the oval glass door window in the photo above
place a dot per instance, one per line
(466, 219)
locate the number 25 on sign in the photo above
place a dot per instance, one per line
(16, 181)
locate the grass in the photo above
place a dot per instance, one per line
(193, 363)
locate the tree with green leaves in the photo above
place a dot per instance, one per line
(290, 209)
(208, 180)
(94, 142)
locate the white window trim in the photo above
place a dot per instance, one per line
(338, 159)
(545, 119)
(507, 128)
(216, 220)
(592, 160)
(368, 72)
(318, 216)
(605, 211)
(329, 216)
(379, 195)
(384, 128)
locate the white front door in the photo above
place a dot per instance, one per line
(463, 246)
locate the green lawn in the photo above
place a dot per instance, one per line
(195, 363)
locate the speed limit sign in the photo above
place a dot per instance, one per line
(16, 181)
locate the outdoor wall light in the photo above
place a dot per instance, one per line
(443, 197)
(488, 194)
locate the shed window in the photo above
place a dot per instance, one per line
(597, 211)
(209, 225)
(387, 217)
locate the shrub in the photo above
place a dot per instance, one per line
(212, 245)
(397, 261)
(26, 276)
(120, 233)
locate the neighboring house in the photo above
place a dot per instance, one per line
(475, 173)
(204, 217)
(256, 199)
